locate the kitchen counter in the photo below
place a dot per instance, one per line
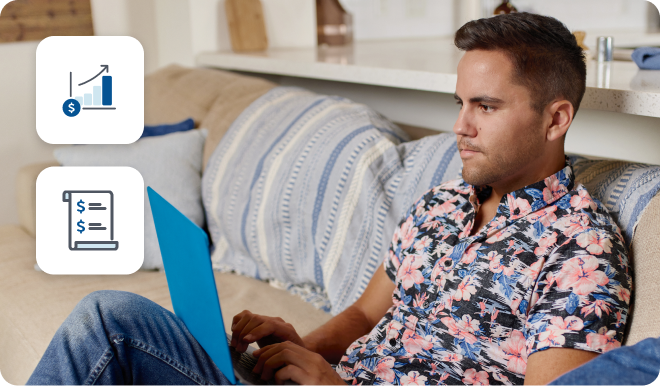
(430, 65)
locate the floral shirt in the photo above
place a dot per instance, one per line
(550, 270)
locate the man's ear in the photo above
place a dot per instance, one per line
(562, 117)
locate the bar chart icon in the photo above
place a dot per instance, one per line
(100, 97)
(90, 89)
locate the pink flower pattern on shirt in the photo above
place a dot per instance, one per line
(582, 274)
(550, 270)
(472, 377)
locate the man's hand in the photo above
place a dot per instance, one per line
(295, 363)
(247, 328)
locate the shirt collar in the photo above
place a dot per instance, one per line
(531, 198)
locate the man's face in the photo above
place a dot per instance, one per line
(499, 134)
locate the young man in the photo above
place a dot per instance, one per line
(513, 274)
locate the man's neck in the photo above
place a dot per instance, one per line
(535, 172)
(489, 205)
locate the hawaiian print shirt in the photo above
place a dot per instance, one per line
(550, 270)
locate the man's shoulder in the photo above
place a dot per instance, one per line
(585, 212)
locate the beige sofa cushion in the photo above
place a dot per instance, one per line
(34, 304)
(26, 194)
(645, 255)
(213, 98)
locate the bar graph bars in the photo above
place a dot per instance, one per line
(107, 90)
(100, 96)
(96, 91)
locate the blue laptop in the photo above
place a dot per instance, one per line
(185, 250)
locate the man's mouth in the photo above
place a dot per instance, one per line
(467, 151)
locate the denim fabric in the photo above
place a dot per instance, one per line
(638, 364)
(117, 337)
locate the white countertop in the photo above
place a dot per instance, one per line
(430, 65)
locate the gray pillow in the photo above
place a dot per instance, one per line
(171, 164)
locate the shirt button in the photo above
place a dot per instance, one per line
(392, 342)
(448, 263)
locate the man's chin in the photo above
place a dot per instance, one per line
(476, 177)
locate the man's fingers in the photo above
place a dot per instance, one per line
(238, 317)
(238, 324)
(260, 331)
(263, 354)
(289, 354)
(294, 373)
(254, 322)
(249, 328)
(282, 358)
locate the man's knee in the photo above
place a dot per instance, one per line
(107, 303)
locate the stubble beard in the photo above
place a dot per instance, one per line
(501, 165)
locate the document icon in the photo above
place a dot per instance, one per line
(91, 226)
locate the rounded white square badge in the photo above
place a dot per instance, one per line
(90, 89)
(90, 220)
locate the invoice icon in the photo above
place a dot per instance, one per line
(91, 226)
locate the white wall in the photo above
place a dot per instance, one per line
(591, 14)
(387, 19)
(19, 143)
(186, 28)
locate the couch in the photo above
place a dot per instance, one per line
(33, 304)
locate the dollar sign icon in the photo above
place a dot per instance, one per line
(71, 108)
(81, 228)
(80, 205)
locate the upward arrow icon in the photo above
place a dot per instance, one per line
(106, 68)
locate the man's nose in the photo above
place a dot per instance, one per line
(465, 123)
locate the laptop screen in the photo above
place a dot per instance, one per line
(185, 250)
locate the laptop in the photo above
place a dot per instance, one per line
(185, 250)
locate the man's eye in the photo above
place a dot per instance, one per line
(460, 104)
(486, 108)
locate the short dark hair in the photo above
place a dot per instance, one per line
(545, 55)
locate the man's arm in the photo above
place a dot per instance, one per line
(545, 366)
(333, 338)
(282, 348)
(329, 340)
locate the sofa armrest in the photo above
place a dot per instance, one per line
(645, 254)
(26, 194)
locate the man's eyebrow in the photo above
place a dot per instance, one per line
(480, 99)
(486, 99)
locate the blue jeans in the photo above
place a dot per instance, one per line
(117, 337)
(638, 364)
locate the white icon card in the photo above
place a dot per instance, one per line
(90, 90)
(90, 220)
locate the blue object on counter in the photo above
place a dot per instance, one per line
(152, 131)
(647, 58)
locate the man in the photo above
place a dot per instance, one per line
(513, 274)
